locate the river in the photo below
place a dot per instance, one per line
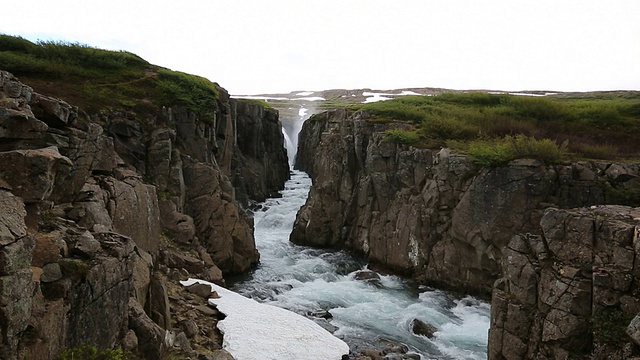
(364, 314)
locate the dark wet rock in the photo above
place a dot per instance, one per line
(369, 276)
(324, 314)
(422, 328)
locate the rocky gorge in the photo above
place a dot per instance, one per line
(99, 211)
(560, 263)
(140, 178)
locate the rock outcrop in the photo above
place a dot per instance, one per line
(572, 291)
(430, 213)
(98, 211)
(567, 277)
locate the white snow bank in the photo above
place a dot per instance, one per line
(305, 93)
(259, 331)
(408, 92)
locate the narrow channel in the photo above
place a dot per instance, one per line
(371, 314)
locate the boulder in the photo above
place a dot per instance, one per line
(201, 290)
(32, 173)
(51, 272)
(189, 327)
(422, 328)
(367, 275)
(49, 247)
(54, 112)
(179, 260)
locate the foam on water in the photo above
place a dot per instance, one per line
(306, 280)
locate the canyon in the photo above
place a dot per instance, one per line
(100, 211)
(537, 237)
(103, 211)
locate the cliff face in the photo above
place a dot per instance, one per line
(571, 291)
(97, 210)
(431, 214)
(567, 280)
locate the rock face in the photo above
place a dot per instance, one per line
(430, 213)
(568, 279)
(93, 217)
(260, 167)
(571, 291)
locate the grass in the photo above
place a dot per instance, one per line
(495, 129)
(402, 136)
(96, 79)
(89, 352)
(264, 104)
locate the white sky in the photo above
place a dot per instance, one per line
(259, 46)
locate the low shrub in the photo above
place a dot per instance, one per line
(541, 109)
(402, 136)
(449, 128)
(496, 152)
(629, 196)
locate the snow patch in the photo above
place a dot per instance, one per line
(255, 331)
(305, 93)
(408, 92)
(373, 97)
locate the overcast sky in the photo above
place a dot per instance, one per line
(252, 47)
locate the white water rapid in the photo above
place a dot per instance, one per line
(364, 314)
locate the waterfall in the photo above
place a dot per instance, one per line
(291, 140)
(290, 146)
(323, 285)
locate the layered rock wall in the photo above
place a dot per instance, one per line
(430, 213)
(96, 211)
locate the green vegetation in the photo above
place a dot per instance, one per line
(498, 128)
(97, 79)
(402, 136)
(608, 326)
(264, 104)
(499, 151)
(628, 196)
(89, 352)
